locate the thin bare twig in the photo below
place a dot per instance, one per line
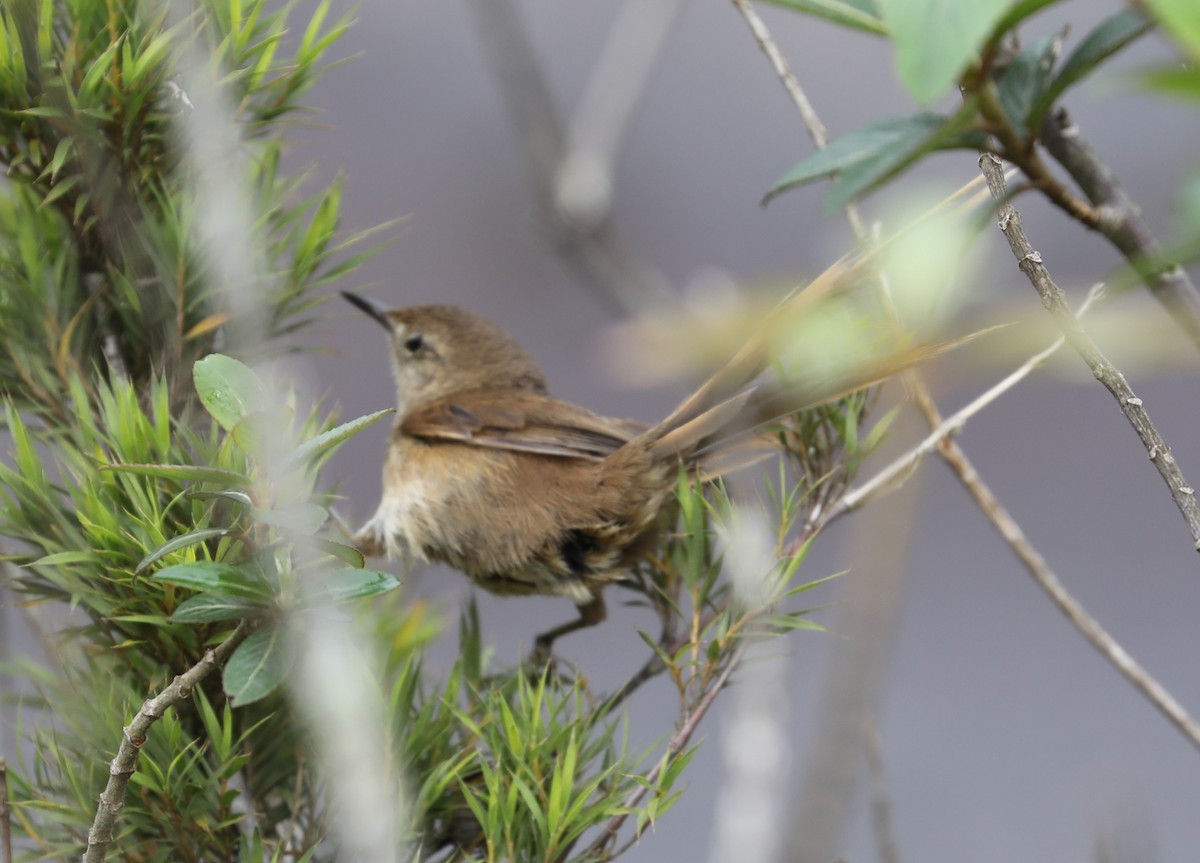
(1122, 223)
(691, 721)
(899, 470)
(618, 81)
(882, 822)
(582, 229)
(1053, 298)
(112, 799)
(1069, 606)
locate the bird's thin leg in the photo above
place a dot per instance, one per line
(590, 614)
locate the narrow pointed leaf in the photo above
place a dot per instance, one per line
(1107, 39)
(182, 472)
(347, 584)
(327, 440)
(187, 539)
(210, 607)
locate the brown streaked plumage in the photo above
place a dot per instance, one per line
(526, 494)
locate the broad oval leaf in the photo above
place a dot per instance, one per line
(211, 607)
(257, 667)
(936, 39)
(179, 542)
(183, 472)
(325, 441)
(229, 390)
(211, 577)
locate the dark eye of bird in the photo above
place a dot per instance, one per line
(414, 342)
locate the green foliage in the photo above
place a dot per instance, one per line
(98, 250)
(936, 40)
(1008, 90)
(160, 494)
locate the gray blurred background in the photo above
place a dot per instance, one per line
(1003, 735)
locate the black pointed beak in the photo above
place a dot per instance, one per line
(373, 309)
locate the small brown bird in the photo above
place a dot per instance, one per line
(527, 494)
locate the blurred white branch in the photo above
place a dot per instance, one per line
(571, 170)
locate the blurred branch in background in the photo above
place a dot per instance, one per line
(571, 166)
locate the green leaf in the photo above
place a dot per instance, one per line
(1024, 81)
(867, 156)
(346, 584)
(230, 390)
(345, 553)
(1179, 82)
(936, 39)
(239, 497)
(1108, 38)
(257, 667)
(208, 607)
(1017, 13)
(182, 472)
(856, 147)
(1180, 18)
(64, 557)
(212, 577)
(187, 539)
(325, 441)
(856, 14)
(270, 424)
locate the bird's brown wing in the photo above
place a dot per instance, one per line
(521, 422)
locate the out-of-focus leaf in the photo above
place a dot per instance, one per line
(187, 539)
(208, 608)
(261, 429)
(212, 577)
(857, 14)
(305, 518)
(1109, 37)
(1017, 13)
(256, 668)
(1180, 18)
(1181, 82)
(341, 551)
(936, 39)
(229, 390)
(327, 440)
(346, 584)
